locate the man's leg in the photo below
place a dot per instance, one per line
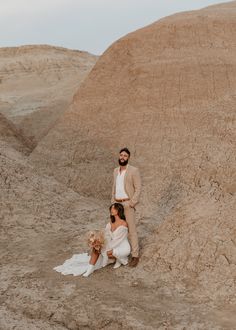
(133, 236)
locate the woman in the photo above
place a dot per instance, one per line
(116, 248)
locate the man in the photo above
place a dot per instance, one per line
(126, 190)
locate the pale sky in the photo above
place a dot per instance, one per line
(90, 25)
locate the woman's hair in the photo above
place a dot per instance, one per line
(120, 209)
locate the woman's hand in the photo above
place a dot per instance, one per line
(109, 254)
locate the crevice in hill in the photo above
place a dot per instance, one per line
(9, 133)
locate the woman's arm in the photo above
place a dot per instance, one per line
(120, 236)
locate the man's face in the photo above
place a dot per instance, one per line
(123, 158)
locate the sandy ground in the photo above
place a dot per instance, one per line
(33, 296)
(44, 223)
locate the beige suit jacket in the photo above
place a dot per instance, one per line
(132, 184)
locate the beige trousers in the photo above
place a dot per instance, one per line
(133, 236)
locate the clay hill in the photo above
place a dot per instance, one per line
(37, 83)
(168, 93)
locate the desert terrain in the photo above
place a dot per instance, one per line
(37, 84)
(166, 91)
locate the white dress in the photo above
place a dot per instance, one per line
(116, 240)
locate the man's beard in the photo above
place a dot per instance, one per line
(123, 162)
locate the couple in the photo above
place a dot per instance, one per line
(125, 195)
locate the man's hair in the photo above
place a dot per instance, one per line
(125, 150)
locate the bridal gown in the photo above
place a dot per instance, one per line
(116, 240)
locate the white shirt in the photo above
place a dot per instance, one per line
(120, 187)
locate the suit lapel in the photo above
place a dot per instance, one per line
(117, 171)
(125, 177)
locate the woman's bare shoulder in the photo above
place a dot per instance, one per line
(124, 223)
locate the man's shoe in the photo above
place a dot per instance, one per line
(134, 261)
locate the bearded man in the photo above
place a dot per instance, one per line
(126, 190)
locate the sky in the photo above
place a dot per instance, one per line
(89, 25)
